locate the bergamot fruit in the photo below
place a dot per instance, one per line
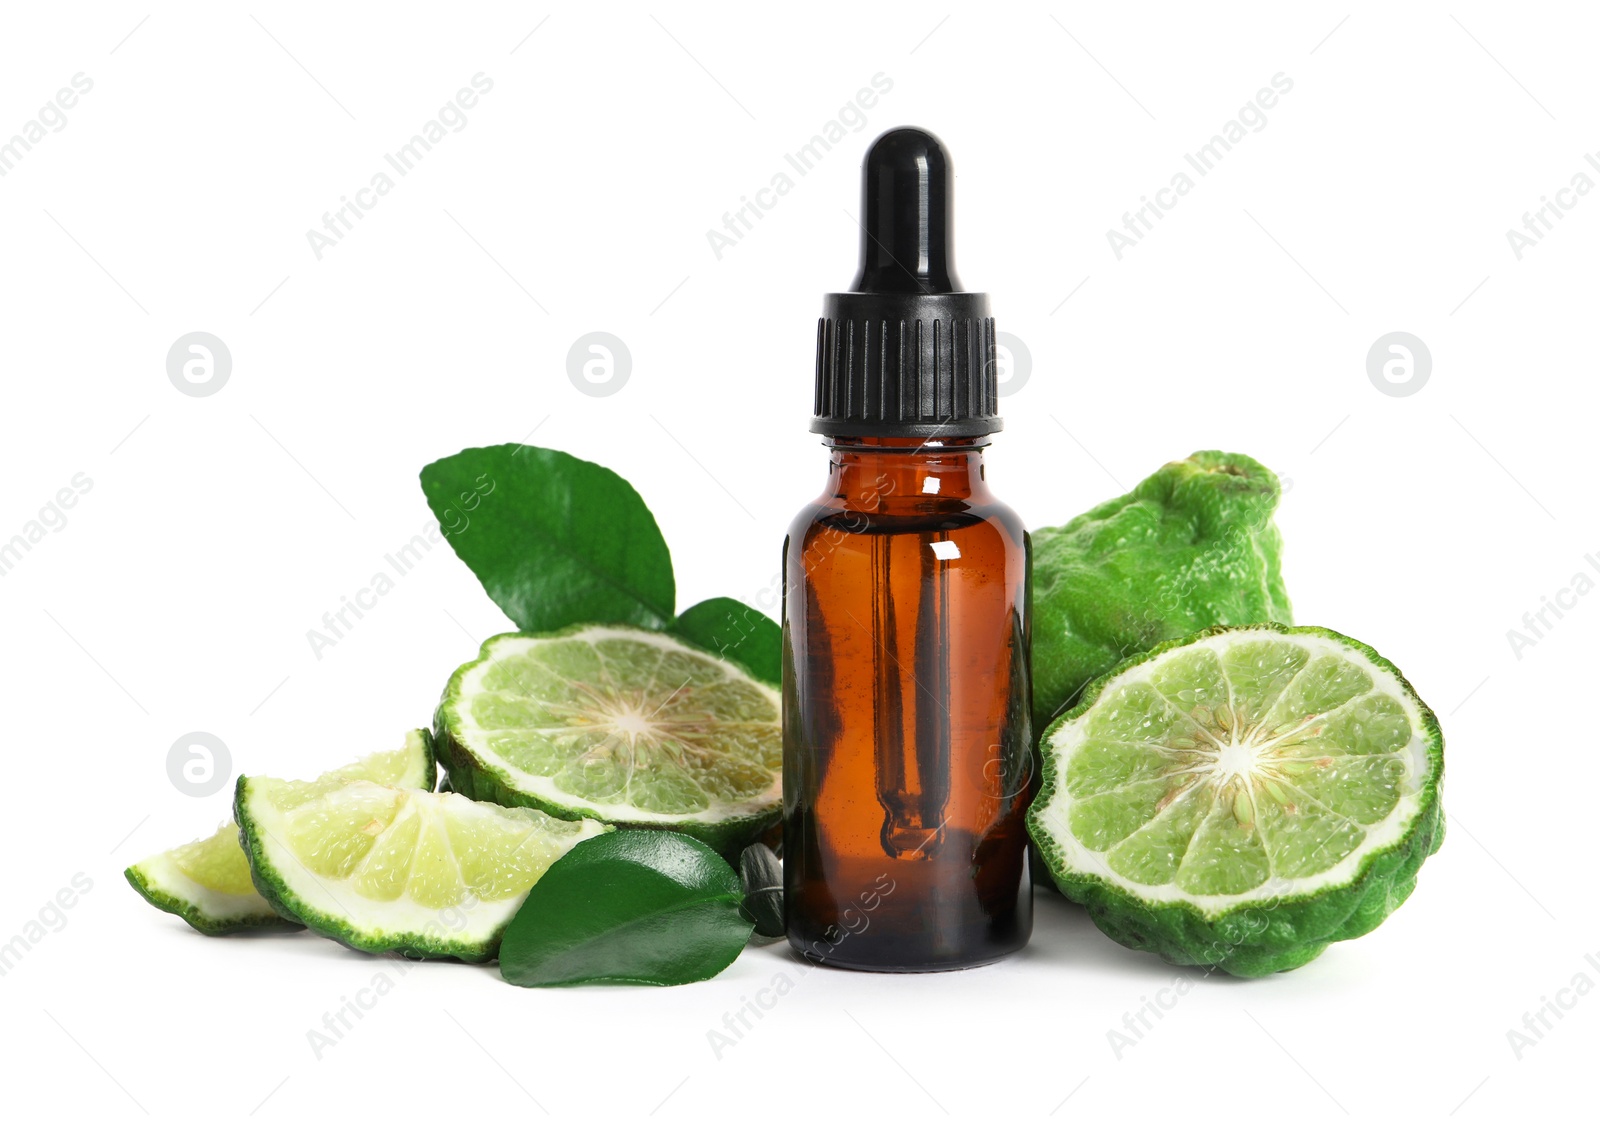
(630, 727)
(392, 869)
(1191, 546)
(207, 883)
(1242, 798)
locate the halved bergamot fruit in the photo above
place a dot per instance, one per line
(207, 882)
(392, 869)
(631, 727)
(1242, 798)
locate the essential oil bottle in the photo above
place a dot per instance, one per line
(907, 749)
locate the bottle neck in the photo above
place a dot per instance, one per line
(905, 475)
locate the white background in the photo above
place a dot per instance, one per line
(218, 530)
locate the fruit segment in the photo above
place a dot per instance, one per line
(207, 883)
(382, 868)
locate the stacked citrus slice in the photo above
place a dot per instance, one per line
(207, 883)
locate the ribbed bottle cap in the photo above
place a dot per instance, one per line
(905, 352)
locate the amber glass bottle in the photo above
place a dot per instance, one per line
(906, 693)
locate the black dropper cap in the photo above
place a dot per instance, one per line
(905, 352)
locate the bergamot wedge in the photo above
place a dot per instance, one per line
(1242, 798)
(393, 869)
(207, 882)
(630, 727)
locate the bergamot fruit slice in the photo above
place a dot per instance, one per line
(207, 882)
(1242, 798)
(631, 727)
(392, 869)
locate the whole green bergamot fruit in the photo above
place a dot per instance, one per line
(1192, 546)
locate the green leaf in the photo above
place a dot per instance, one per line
(630, 907)
(736, 632)
(554, 540)
(762, 876)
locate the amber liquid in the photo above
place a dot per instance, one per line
(907, 767)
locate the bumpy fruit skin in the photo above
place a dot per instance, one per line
(1191, 546)
(1268, 936)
